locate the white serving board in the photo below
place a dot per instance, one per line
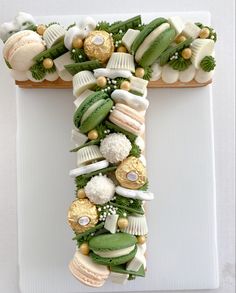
(182, 247)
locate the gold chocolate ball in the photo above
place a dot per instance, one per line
(101, 81)
(186, 53)
(139, 72)
(122, 49)
(125, 85)
(141, 239)
(84, 248)
(82, 215)
(93, 134)
(131, 173)
(77, 43)
(99, 45)
(81, 193)
(123, 223)
(48, 63)
(41, 29)
(204, 33)
(180, 39)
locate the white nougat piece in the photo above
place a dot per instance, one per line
(136, 263)
(138, 85)
(82, 97)
(129, 38)
(111, 223)
(63, 60)
(77, 137)
(176, 22)
(118, 278)
(191, 30)
(65, 75)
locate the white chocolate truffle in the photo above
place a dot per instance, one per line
(100, 189)
(115, 147)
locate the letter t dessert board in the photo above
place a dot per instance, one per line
(181, 247)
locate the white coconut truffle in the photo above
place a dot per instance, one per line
(100, 189)
(115, 147)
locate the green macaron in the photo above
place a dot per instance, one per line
(113, 249)
(158, 46)
(145, 32)
(92, 111)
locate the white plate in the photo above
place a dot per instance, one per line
(182, 249)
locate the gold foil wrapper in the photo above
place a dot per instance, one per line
(131, 173)
(99, 45)
(82, 215)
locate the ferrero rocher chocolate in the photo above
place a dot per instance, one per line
(99, 45)
(131, 173)
(82, 215)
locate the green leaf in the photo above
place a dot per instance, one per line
(115, 128)
(147, 73)
(135, 151)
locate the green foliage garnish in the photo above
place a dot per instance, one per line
(180, 64)
(141, 27)
(38, 71)
(82, 180)
(51, 70)
(123, 26)
(212, 35)
(208, 63)
(31, 27)
(101, 129)
(148, 73)
(168, 53)
(144, 187)
(87, 235)
(135, 151)
(78, 55)
(117, 38)
(91, 142)
(103, 26)
(127, 206)
(71, 25)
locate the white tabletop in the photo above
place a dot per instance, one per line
(223, 93)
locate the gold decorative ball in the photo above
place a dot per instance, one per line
(186, 53)
(84, 248)
(77, 43)
(122, 49)
(82, 215)
(48, 63)
(123, 223)
(125, 85)
(180, 39)
(93, 134)
(99, 45)
(204, 33)
(141, 239)
(81, 193)
(131, 173)
(139, 72)
(41, 28)
(101, 81)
